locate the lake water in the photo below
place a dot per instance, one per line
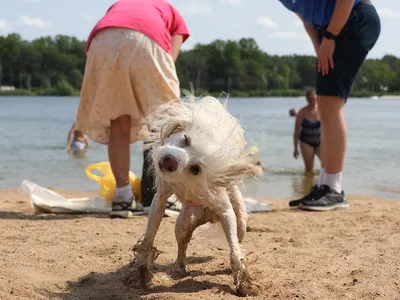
(33, 133)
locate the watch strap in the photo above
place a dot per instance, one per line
(330, 36)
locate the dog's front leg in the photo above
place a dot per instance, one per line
(241, 276)
(190, 217)
(145, 252)
(157, 210)
(229, 225)
(236, 199)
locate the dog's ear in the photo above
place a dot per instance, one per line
(169, 129)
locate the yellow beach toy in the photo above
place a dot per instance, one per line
(254, 150)
(107, 181)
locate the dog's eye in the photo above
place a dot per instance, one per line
(195, 169)
(185, 140)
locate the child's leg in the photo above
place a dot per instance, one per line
(118, 149)
(124, 204)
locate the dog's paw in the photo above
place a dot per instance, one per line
(245, 284)
(140, 276)
(145, 276)
(145, 254)
(247, 287)
(250, 289)
(178, 271)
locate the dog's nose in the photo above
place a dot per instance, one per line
(168, 163)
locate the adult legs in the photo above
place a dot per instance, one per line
(355, 41)
(334, 133)
(318, 153)
(307, 152)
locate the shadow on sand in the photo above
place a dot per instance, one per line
(13, 215)
(114, 285)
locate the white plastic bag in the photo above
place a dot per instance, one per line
(44, 200)
(254, 206)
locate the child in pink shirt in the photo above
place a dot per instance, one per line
(130, 70)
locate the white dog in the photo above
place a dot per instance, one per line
(199, 155)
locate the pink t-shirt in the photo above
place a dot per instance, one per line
(157, 19)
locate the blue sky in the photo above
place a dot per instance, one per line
(276, 30)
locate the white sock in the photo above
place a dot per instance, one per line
(125, 192)
(334, 181)
(321, 177)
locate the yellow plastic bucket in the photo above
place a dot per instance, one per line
(107, 181)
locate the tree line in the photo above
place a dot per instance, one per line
(55, 66)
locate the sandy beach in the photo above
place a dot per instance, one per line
(351, 254)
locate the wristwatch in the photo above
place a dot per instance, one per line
(330, 36)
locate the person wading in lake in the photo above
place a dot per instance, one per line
(307, 132)
(77, 142)
(342, 32)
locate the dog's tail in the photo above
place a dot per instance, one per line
(236, 199)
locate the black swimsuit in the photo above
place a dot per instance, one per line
(310, 133)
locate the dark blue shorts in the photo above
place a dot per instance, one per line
(357, 38)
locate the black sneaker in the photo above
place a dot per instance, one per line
(172, 208)
(315, 193)
(330, 200)
(125, 209)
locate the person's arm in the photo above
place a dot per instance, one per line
(70, 137)
(340, 16)
(312, 33)
(179, 33)
(296, 133)
(70, 133)
(87, 141)
(176, 43)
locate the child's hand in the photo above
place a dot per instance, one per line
(68, 148)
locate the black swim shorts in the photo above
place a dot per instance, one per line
(357, 38)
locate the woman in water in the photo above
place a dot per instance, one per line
(307, 132)
(77, 142)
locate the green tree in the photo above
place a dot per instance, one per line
(1, 73)
(55, 65)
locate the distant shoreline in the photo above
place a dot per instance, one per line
(232, 94)
(36, 93)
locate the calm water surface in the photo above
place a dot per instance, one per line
(33, 132)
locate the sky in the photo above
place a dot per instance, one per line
(275, 29)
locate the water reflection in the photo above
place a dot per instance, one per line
(301, 184)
